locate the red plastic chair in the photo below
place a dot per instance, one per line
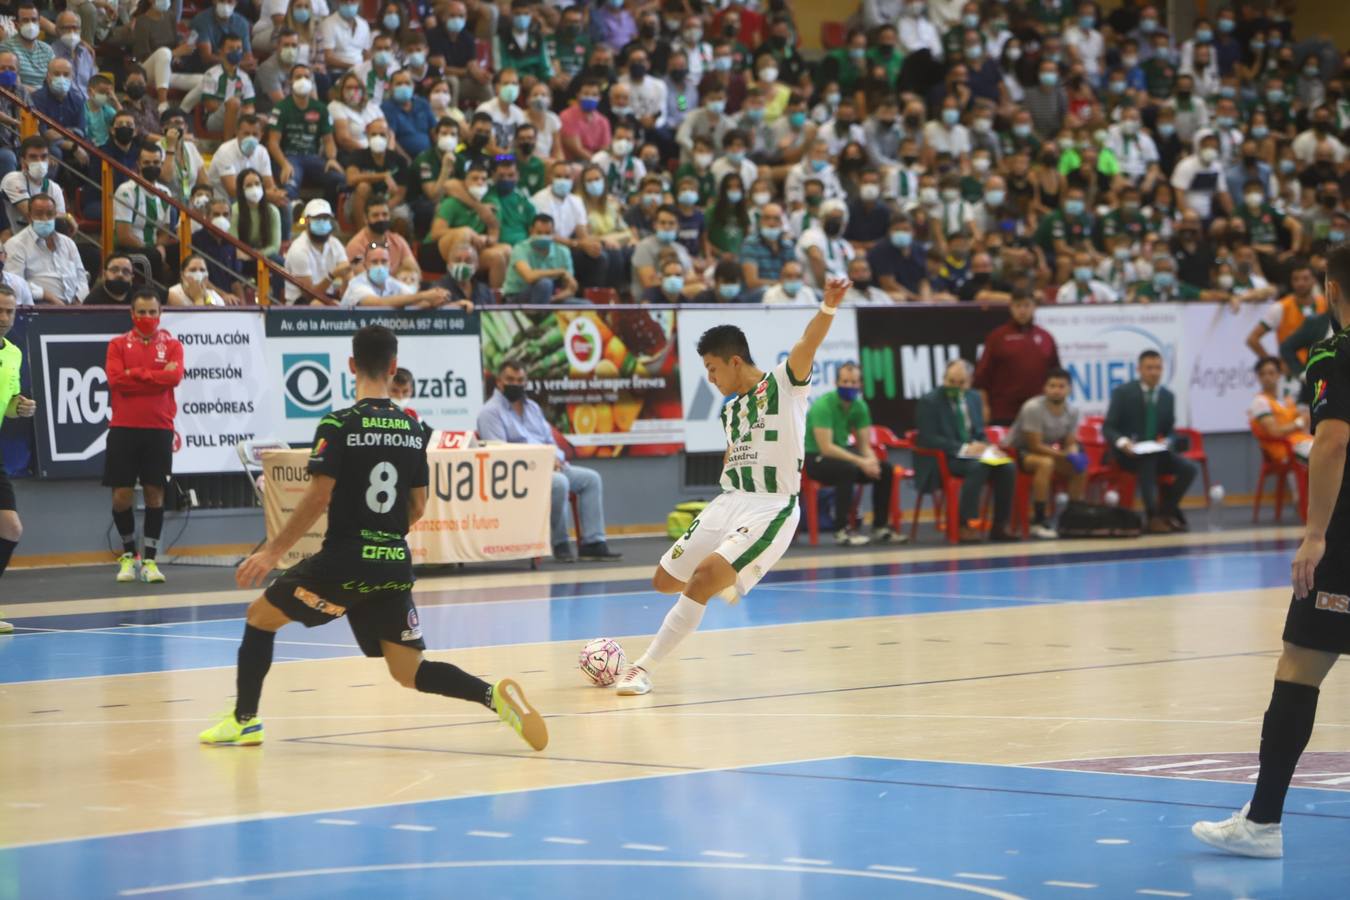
(600, 296)
(833, 35)
(1021, 512)
(1101, 473)
(1280, 470)
(947, 510)
(883, 440)
(1195, 452)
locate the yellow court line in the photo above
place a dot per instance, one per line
(578, 572)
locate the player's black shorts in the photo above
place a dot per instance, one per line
(138, 453)
(1321, 620)
(6, 492)
(377, 607)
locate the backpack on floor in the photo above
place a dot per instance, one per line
(1089, 520)
(678, 522)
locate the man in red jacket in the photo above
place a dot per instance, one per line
(144, 366)
(1017, 356)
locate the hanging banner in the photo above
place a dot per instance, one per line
(1100, 347)
(483, 504)
(308, 351)
(218, 400)
(1220, 370)
(771, 333)
(906, 350)
(606, 378)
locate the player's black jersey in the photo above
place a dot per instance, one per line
(377, 453)
(1328, 375)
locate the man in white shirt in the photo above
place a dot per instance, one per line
(1083, 38)
(247, 151)
(316, 258)
(1132, 146)
(647, 93)
(506, 116)
(1321, 132)
(1201, 179)
(143, 222)
(790, 287)
(822, 250)
(345, 37)
(736, 159)
(22, 293)
(48, 261)
(917, 33)
(814, 165)
(864, 290)
(377, 72)
(376, 287)
(1084, 287)
(691, 44)
(28, 181)
(946, 134)
(227, 90)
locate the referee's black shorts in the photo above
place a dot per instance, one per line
(1321, 620)
(378, 608)
(6, 493)
(138, 454)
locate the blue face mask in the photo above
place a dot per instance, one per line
(1049, 79)
(1335, 235)
(1082, 273)
(403, 93)
(234, 57)
(734, 196)
(506, 186)
(391, 21)
(248, 145)
(994, 197)
(44, 229)
(797, 119)
(1287, 166)
(1225, 121)
(1260, 132)
(755, 114)
(522, 23)
(951, 116)
(321, 227)
(1164, 280)
(689, 198)
(348, 10)
(1022, 130)
(770, 234)
(301, 15)
(1167, 129)
(382, 58)
(1073, 207)
(666, 237)
(416, 59)
(672, 284)
(1226, 26)
(562, 186)
(848, 394)
(9, 79)
(902, 239)
(736, 157)
(1203, 36)
(728, 291)
(590, 104)
(717, 106)
(1087, 23)
(541, 245)
(378, 274)
(819, 165)
(455, 24)
(792, 287)
(595, 188)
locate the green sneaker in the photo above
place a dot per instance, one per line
(513, 709)
(6, 628)
(126, 568)
(150, 572)
(230, 731)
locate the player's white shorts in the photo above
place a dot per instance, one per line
(750, 531)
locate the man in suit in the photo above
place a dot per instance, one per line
(951, 419)
(1144, 410)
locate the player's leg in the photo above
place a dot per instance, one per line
(1183, 473)
(124, 520)
(241, 726)
(1041, 468)
(154, 527)
(120, 471)
(11, 529)
(1255, 829)
(557, 520)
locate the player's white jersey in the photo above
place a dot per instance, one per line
(766, 434)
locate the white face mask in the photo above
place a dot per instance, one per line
(622, 147)
(222, 222)
(71, 39)
(440, 100)
(253, 193)
(761, 198)
(302, 87)
(378, 143)
(29, 31)
(446, 143)
(769, 75)
(224, 10)
(37, 170)
(703, 160)
(289, 55)
(196, 276)
(1208, 155)
(478, 192)
(869, 191)
(980, 164)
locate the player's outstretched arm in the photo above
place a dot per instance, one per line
(803, 355)
(313, 504)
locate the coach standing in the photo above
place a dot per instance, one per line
(144, 366)
(1017, 357)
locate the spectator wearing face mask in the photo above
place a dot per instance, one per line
(378, 171)
(402, 261)
(540, 269)
(648, 252)
(460, 279)
(114, 288)
(300, 141)
(61, 101)
(822, 249)
(584, 130)
(144, 221)
(1084, 286)
(376, 286)
(790, 288)
(671, 287)
(183, 167)
(868, 217)
(216, 23)
(272, 81)
(25, 43)
(227, 91)
(898, 262)
(727, 286)
(345, 37)
(1318, 134)
(46, 259)
(815, 166)
(33, 177)
(195, 289)
(316, 259)
(74, 50)
(254, 220)
(612, 24)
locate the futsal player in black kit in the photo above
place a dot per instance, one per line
(368, 470)
(1317, 628)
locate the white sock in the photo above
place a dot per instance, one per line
(681, 621)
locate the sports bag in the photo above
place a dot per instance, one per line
(1089, 520)
(678, 522)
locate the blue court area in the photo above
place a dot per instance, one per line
(76, 647)
(848, 827)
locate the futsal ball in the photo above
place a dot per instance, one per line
(601, 661)
(1112, 498)
(1216, 494)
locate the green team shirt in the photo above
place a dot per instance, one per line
(533, 175)
(457, 215)
(302, 130)
(515, 212)
(1263, 226)
(11, 361)
(828, 412)
(570, 50)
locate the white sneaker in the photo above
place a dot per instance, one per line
(845, 538)
(1044, 532)
(127, 568)
(6, 628)
(889, 536)
(634, 682)
(1240, 835)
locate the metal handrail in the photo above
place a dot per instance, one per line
(28, 126)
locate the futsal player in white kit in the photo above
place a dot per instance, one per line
(738, 538)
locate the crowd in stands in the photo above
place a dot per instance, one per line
(680, 151)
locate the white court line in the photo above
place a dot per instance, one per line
(1082, 885)
(489, 834)
(937, 596)
(653, 848)
(413, 827)
(337, 822)
(1220, 769)
(548, 863)
(573, 842)
(1112, 842)
(1150, 892)
(723, 854)
(904, 869)
(980, 876)
(1175, 765)
(803, 861)
(126, 631)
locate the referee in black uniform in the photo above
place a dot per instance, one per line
(1317, 628)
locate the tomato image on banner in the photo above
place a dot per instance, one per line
(608, 380)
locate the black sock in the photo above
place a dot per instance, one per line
(1040, 512)
(255, 658)
(1284, 733)
(154, 527)
(6, 551)
(452, 681)
(125, 522)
